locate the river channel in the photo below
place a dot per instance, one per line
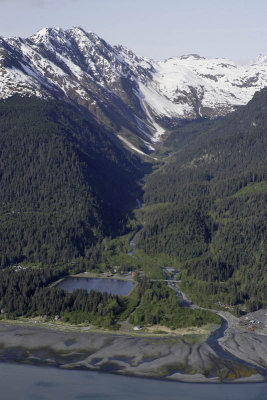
(132, 240)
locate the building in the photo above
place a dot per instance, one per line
(137, 328)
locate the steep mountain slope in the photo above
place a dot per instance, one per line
(64, 182)
(78, 67)
(210, 87)
(207, 207)
(135, 97)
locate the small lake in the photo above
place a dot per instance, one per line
(112, 286)
(23, 382)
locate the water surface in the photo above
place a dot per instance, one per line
(112, 286)
(25, 382)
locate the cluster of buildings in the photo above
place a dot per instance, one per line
(256, 320)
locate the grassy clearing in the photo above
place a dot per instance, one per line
(41, 322)
(252, 188)
(115, 254)
(190, 335)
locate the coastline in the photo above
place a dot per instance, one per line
(165, 358)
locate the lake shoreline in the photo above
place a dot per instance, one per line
(160, 358)
(116, 287)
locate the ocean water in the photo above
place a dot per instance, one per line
(24, 382)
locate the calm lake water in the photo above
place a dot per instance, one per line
(43, 383)
(112, 286)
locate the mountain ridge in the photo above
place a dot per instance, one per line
(135, 97)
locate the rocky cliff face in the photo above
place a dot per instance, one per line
(135, 97)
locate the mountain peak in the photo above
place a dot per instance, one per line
(194, 56)
(122, 90)
(261, 59)
(46, 32)
(77, 30)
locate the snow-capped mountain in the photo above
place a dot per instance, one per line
(209, 87)
(135, 97)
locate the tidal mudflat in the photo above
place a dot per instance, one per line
(169, 358)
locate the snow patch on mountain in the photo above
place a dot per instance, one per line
(121, 89)
(160, 104)
(132, 147)
(214, 82)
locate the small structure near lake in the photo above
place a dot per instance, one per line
(137, 328)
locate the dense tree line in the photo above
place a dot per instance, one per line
(159, 305)
(207, 205)
(17, 287)
(27, 293)
(65, 183)
(177, 229)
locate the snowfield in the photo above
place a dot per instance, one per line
(138, 94)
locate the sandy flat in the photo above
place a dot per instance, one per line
(158, 357)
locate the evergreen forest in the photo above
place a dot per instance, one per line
(65, 183)
(68, 190)
(207, 207)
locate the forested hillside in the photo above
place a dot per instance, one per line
(65, 183)
(207, 207)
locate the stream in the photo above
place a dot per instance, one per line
(132, 244)
(213, 339)
(139, 205)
